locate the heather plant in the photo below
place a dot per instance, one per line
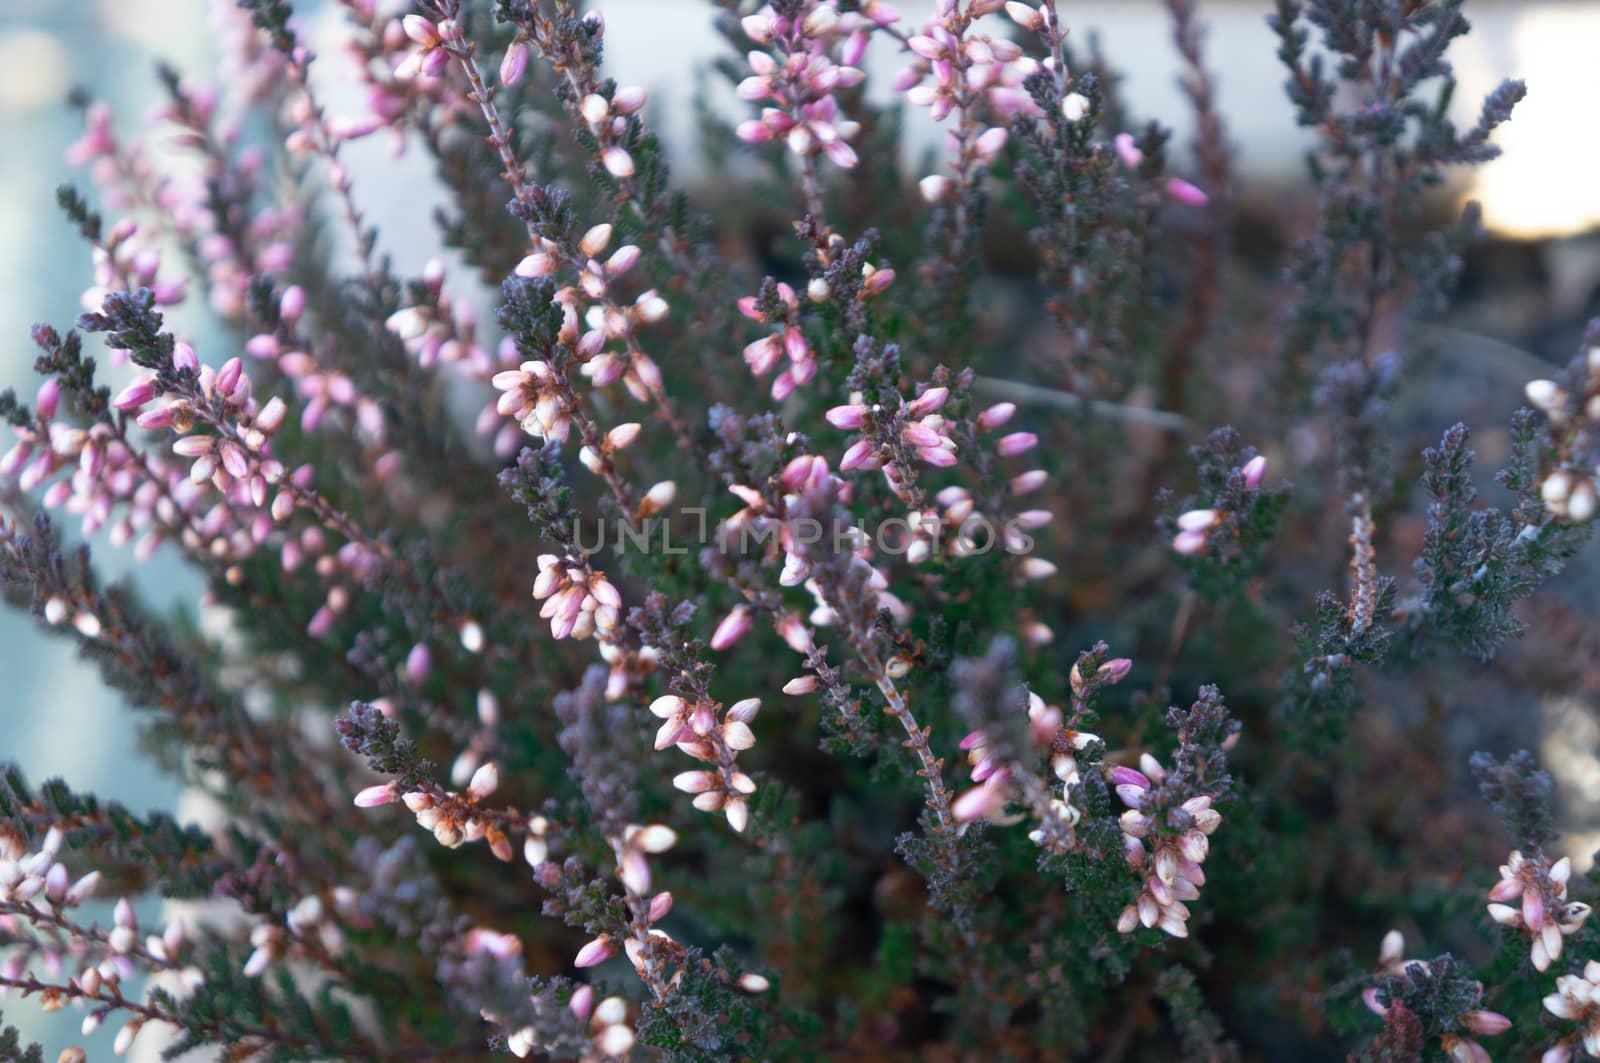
(624, 641)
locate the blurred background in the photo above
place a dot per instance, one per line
(1526, 291)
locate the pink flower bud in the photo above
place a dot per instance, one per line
(628, 99)
(879, 281)
(1254, 470)
(803, 472)
(49, 398)
(856, 455)
(228, 376)
(847, 417)
(934, 187)
(293, 303)
(1016, 443)
(660, 905)
(1127, 150)
(1182, 191)
(418, 663)
(1115, 671)
(420, 30)
(734, 627)
(582, 1002)
(754, 132)
(990, 142)
(595, 952)
(1121, 775)
(1533, 908)
(514, 63)
(135, 395)
(929, 401)
(624, 259)
(373, 796)
(1025, 15)
(694, 782)
(1485, 1023)
(617, 161)
(995, 416)
(1197, 519)
(978, 802)
(485, 781)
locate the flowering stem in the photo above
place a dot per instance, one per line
(515, 177)
(938, 798)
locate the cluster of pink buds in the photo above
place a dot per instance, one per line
(312, 919)
(533, 396)
(432, 52)
(944, 530)
(578, 601)
(324, 390)
(1012, 444)
(608, 121)
(261, 242)
(789, 341)
(1196, 525)
(122, 266)
(1167, 851)
(124, 176)
(316, 134)
(256, 68)
(999, 785)
(1477, 1022)
(801, 64)
(98, 149)
(370, 63)
(632, 849)
(1576, 999)
(452, 818)
(1391, 961)
(39, 893)
(633, 871)
(918, 425)
(125, 955)
(589, 329)
(532, 393)
(1572, 490)
(105, 474)
(611, 1036)
(697, 730)
(954, 68)
(1539, 890)
(1186, 193)
(955, 528)
(604, 320)
(36, 455)
(232, 253)
(235, 460)
(26, 875)
(802, 476)
(445, 332)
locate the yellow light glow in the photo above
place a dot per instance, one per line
(1545, 184)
